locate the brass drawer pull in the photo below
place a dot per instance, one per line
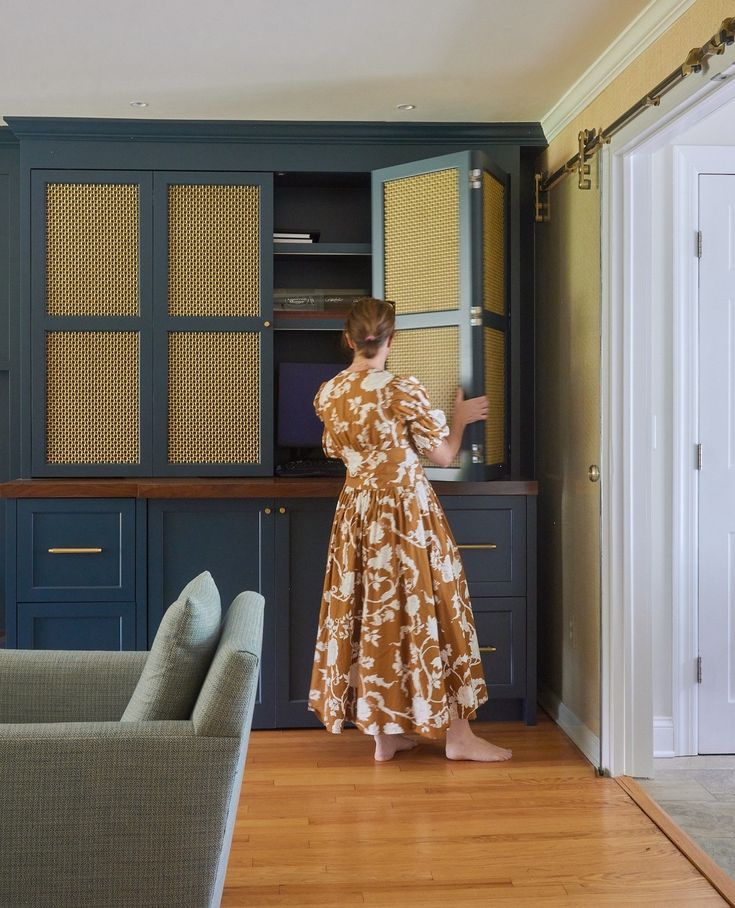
(488, 649)
(74, 551)
(478, 545)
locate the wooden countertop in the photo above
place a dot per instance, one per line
(268, 487)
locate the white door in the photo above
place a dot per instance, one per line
(717, 476)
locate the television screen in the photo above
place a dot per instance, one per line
(298, 424)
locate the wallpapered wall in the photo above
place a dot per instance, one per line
(568, 260)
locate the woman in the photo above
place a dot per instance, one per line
(396, 649)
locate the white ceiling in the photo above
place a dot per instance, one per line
(457, 60)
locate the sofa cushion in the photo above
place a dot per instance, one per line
(180, 656)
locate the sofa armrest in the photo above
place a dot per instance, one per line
(130, 813)
(64, 686)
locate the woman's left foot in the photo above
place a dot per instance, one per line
(387, 746)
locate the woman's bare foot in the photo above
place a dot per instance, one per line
(463, 744)
(387, 746)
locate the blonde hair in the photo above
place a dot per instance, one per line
(369, 324)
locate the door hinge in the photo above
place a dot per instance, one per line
(699, 244)
(699, 456)
(699, 669)
(475, 316)
(476, 179)
(477, 453)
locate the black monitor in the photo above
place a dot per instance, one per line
(298, 424)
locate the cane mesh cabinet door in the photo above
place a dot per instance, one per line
(90, 314)
(440, 254)
(213, 323)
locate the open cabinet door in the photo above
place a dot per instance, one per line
(439, 252)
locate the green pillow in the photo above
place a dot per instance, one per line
(180, 656)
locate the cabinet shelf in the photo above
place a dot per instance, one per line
(313, 319)
(322, 249)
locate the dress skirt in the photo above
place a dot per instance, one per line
(396, 649)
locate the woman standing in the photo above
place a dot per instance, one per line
(396, 649)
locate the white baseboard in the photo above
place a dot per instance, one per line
(663, 736)
(571, 725)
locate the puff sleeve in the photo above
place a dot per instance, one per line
(426, 425)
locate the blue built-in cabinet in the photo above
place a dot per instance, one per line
(99, 573)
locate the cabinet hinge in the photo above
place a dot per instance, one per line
(699, 456)
(699, 244)
(699, 669)
(475, 316)
(478, 453)
(475, 179)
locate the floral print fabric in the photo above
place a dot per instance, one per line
(396, 649)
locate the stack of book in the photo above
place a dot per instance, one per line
(282, 236)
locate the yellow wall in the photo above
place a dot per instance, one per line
(567, 380)
(568, 441)
(690, 30)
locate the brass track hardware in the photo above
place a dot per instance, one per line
(488, 649)
(542, 199)
(694, 63)
(74, 551)
(694, 60)
(281, 510)
(583, 168)
(477, 545)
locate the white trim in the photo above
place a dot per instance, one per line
(573, 727)
(663, 736)
(627, 200)
(648, 25)
(685, 420)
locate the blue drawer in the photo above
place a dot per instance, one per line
(491, 535)
(76, 550)
(76, 625)
(501, 633)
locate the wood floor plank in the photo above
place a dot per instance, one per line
(321, 824)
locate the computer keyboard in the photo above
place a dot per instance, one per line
(311, 468)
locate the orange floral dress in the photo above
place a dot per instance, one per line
(396, 648)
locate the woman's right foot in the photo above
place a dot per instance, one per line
(463, 744)
(478, 750)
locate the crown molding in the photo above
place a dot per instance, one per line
(280, 131)
(7, 137)
(646, 28)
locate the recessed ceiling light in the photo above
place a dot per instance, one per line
(405, 107)
(139, 104)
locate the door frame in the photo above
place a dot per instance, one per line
(627, 433)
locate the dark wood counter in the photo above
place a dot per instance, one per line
(228, 488)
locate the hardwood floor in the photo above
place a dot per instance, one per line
(321, 824)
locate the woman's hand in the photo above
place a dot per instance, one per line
(463, 413)
(468, 411)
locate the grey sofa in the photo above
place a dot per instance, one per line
(98, 812)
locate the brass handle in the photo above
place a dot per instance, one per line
(94, 551)
(266, 510)
(266, 324)
(478, 545)
(281, 510)
(593, 473)
(488, 649)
